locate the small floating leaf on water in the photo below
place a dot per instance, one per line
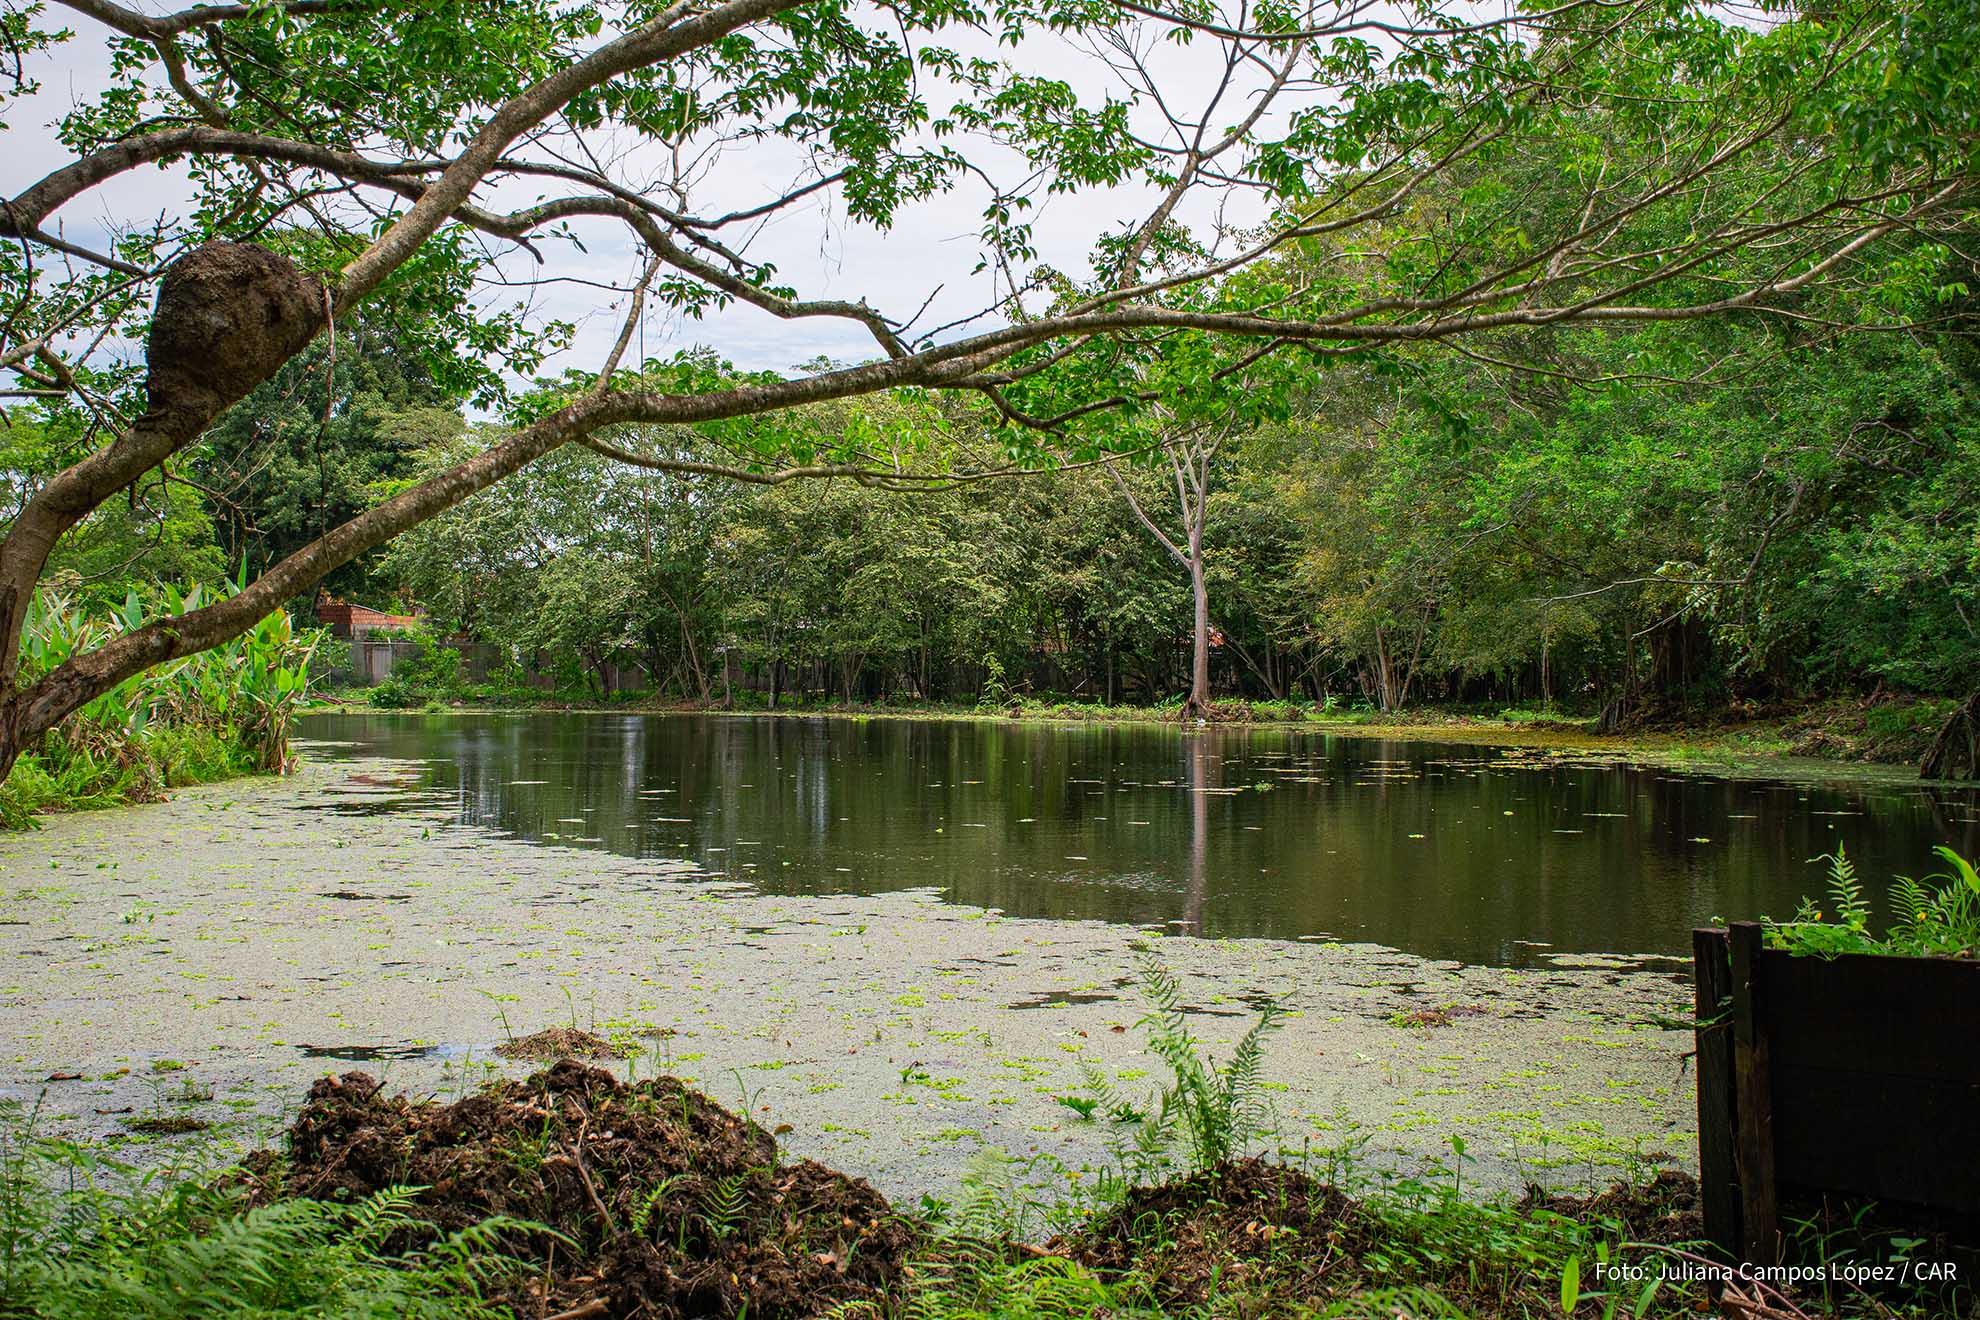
(1701, 839)
(1419, 836)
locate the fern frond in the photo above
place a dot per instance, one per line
(643, 1215)
(1388, 1303)
(723, 1205)
(1846, 891)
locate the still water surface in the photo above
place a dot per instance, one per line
(1501, 856)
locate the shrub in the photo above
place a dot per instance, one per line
(1939, 915)
(432, 672)
(223, 712)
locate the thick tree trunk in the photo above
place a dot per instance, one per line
(1385, 674)
(12, 744)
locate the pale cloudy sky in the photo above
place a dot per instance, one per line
(928, 254)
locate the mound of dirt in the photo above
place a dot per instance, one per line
(676, 1206)
(556, 1043)
(1209, 1231)
(1288, 1241)
(1891, 730)
(1665, 1210)
(661, 1204)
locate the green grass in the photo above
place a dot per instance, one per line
(77, 776)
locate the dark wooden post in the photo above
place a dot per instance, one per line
(1718, 1171)
(1753, 1136)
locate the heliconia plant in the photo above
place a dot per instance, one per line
(229, 710)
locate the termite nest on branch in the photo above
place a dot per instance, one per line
(228, 316)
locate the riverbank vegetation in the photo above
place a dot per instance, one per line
(1936, 916)
(1545, 551)
(1786, 545)
(220, 713)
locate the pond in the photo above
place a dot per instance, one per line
(1496, 856)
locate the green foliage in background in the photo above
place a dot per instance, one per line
(1803, 524)
(1636, 519)
(431, 673)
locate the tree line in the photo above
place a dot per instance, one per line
(1614, 540)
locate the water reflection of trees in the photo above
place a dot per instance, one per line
(1462, 852)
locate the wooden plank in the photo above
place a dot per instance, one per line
(1899, 1139)
(1753, 1131)
(1890, 1017)
(1718, 1173)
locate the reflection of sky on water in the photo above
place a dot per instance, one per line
(1475, 853)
